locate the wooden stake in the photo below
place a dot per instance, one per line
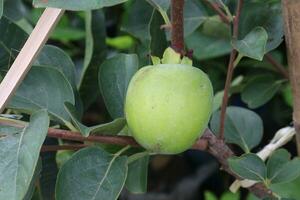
(28, 53)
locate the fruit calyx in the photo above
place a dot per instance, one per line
(171, 57)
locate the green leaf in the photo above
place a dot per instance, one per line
(248, 166)
(276, 161)
(289, 190)
(162, 7)
(19, 156)
(260, 90)
(137, 24)
(211, 40)
(194, 15)
(35, 178)
(56, 57)
(266, 14)
(9, 46)
(95, 53)
(77, 4)
(136, 181)
(253, 44)
(44, 88)
(242, 127)
(114, 76)
(1, 7)
(111, 128)
(158, 41)
(15, 10)
(92, 173)
(288, 95)
(209, 196)
(287, 172)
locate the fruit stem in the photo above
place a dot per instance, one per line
(177, 31)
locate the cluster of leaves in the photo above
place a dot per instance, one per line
(64, 90)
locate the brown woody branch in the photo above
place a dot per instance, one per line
(177, 33)
(291, 15)
(280, 68)
(208, 142)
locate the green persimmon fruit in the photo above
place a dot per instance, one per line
(168, 106)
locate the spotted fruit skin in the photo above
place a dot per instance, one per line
(168, 107)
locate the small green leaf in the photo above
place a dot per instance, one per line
(77, 4)
(111, 128)
(260, 90)
(248, 166)
(136, 181)
(242, 127)
(253, 45)
(92, 170)
(287, 172)
(170, 57)
(19, 155)
(276, 161)
(114, 76)
(289, 190)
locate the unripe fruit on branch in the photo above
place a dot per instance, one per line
(168, 105)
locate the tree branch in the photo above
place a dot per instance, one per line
(208, 142)
(177, 31)
(217, 9)
(291, 15)
(281, 69)
(230, 69)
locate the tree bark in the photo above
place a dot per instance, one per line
(291, 15)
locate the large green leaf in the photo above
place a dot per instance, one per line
(253, 44)
(111, 128)
(92, 173)
(136, 181)
(95, 53)
(248, 166)
(114, 76)
(57, 58)
(242, 127)
(36, 175)
(12, 39)
(266, 14)
(77, 4)
(15, 10)
(211, 40)
(19, 155)
(260, 90)
(44, 88)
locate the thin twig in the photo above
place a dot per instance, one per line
(217, 9)
(208, 142)
(230, 70)
(74, 147)
(177, 31)
(279, 67)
